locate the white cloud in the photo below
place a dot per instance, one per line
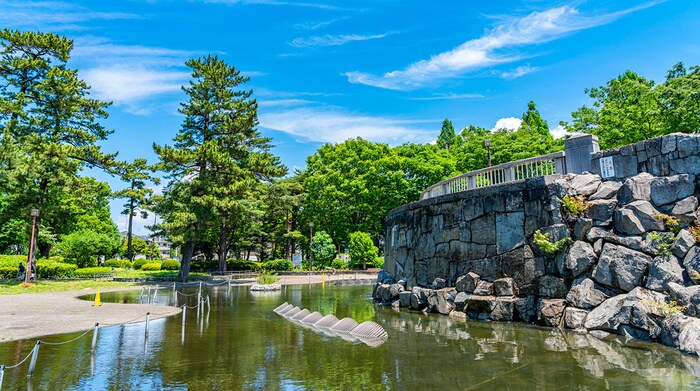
(558, 132)
(489, 49)
(333, 40)
(274, 2)
(510, 123)
(334, 125)
(450, 96)
(318, 25)
(126, 85)
(518, 72)
(48, 15)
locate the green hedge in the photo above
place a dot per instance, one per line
(90, 271)
(242, 265)
(151, 266)
(49, 269)
(339, 264)
(277, 265)
(170, 264)
(120, 263)
(8, 272)
(379, 262)
(139, 263)
(12, 260)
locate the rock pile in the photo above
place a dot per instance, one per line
(630, 267)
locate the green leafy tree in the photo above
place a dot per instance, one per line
(679, 98)
(532, 121)
(362, 249)
(83, 248)
(322, 248)
(447, 135)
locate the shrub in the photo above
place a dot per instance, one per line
(267, 277)
(378, 262)
(662, 244)
(548, 247)
(203, 265)
(8, 272)
(695, 231)
(322, 248)
(47, 268)
(667, 308)
(83, 247)
(338, 263)
(151, 266)
(120, 263)
(277, 265)
(12, 260)
(362, 249)
(576, 205)
(138, 263)
(91, 271)
(242, 265)
(170, 264)
(670, 222)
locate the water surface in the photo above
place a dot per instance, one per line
(242, 344)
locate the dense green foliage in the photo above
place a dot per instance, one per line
(151, 266)
(170, 264)
(138, 263)
(120, 263)
(277, 265)
(362, 250)
(84, 247)
(267, 277)
(322, 249)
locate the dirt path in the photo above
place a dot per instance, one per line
(37, 314)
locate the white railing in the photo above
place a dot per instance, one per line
(551, 164)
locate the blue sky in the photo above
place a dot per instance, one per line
(387, 71)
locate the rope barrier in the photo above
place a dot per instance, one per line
(65, 342)
(21, 362)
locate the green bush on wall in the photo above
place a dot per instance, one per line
(170, 264)
(151, 266)
(277, 265)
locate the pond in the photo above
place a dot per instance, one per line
(242, 344)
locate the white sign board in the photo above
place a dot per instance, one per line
(296, 260)
(607, 169)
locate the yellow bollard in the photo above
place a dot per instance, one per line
(97, 302)
(323, 277)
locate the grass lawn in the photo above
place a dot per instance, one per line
(16, 287)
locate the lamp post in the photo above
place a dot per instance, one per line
(311, 240)
(487, 144)
(34, 213)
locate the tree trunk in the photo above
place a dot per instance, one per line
(129, 252)
(223, 247)
(187, 252)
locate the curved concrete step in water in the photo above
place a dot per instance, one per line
(369, 331)
(292, 312)
(300, 315)
(326, 322)
(344, 326)
(311, 319)
(282, 307)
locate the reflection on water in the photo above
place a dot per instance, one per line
(241, 344)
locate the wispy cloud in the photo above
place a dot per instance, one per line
(333, 40)
(274, 2)
(510, 123)
(334, 125)
(127, 85)
(319, 24)
(52, 15)
(517, 72)
(451, 96)
(491, 48)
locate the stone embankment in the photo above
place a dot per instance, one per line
(630, 266)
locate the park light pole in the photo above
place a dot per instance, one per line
(487, 144)
(27, 276)
(311, 240)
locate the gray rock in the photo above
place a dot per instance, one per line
(479, 306)
(598, 246)
(657, 243)
(468, 282)
(385, 278)
(662, 271)
(483, 230)
(585, 184)
(445, 300)
(461, 301)
(691, 263)
(505, 287)
(641, 219)
(665, 190)
(689, 337)
(581, 228)
(556, 232)
(606, 190)
(687, 296)
(384, 293)
(550, 311)
(405, 299)
(596, 233)
(552, 287)
(635, 188)
(574, 318)
(395, 290)
(602, 210)
(509, 231)
(683, 242)
(484, 288)
(584, 294)
(580, 259)
(438, 283)
(684, 210)
(633, 309)
(503, 309)
(525, 309)
(418, 298)
(620, 267)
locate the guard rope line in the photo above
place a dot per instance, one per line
(65, 342)
(21, 362)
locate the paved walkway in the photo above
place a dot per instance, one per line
(34, 315)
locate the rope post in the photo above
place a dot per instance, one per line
(149, 295)
(208, 304)
(94, 337)
(155, 295)
(32, 364)
(174, 286)
(148, 318)
(2, 374)
(200, 289)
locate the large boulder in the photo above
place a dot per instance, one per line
(405, 299)
(550, 311)
(579, 259)
(461, 301)
(684, 210)
(484, 288)
(684, 241)
(505, 287)
(602, 210)
(438, 283)
(665, 190)
(620, 267)
(606, 190)
(686, 296)
(682, 332)
(503, 309)
(468, 282)
(574, 318)
(442, 301)
(479, 307)
(552, 287)
(585, 184)
(637, 217)
(525, 309)
(418, 298)
(662, 271)
(634, 313)
(691, 263)
(635, 188)
(385, 278)
(584, 294)
(581, 228)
